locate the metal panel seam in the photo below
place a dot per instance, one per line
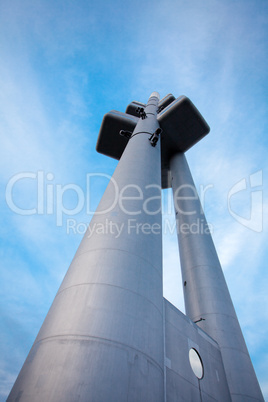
(119, 249)
(108, 284)
(100, 339)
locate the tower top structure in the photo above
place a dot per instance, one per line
(181, 123)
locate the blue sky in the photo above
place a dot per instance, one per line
(64, 65)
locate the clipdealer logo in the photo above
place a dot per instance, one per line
(49, 198)
(253, 187)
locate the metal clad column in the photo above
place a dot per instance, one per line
(102, 339)
(205, 291)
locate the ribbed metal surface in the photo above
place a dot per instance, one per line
(155, 95)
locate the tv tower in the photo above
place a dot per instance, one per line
(110, 336)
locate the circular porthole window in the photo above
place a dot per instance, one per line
(196, 363)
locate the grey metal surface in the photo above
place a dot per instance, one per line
(164, 102)
(102, 339)
(180, 120)
(205, 291)
(110, 142)
(155, 95)
(132, 108)
(183, 126)
(181, 335)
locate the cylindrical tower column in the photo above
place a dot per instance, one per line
(206, 296)
(102, 339)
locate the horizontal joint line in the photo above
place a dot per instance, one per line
(101, 339)
(121, 250)
(111, 285)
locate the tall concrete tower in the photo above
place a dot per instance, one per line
(109, 334)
